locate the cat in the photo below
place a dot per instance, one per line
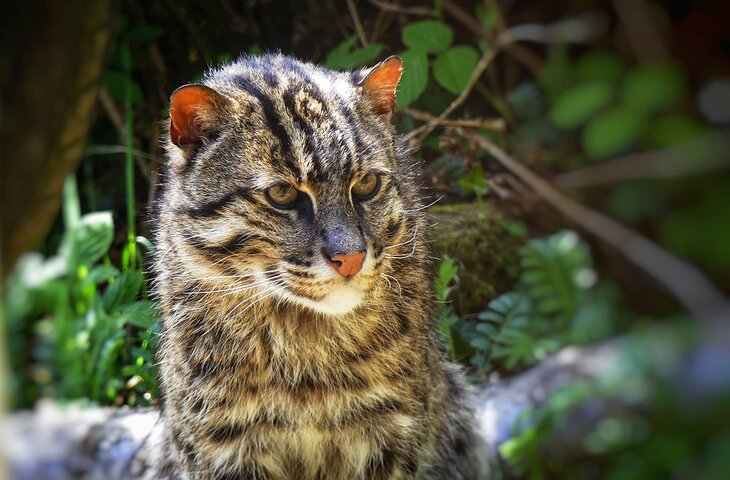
(294, 279)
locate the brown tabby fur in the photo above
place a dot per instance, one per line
(257, 382)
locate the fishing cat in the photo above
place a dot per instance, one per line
(298, 336)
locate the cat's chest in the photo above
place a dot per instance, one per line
(373, 448)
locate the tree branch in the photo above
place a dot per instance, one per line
(706, 153)
(496, 124)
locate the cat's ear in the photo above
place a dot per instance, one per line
(193, 112)
(381, 82)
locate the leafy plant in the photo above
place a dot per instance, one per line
(444, 283)
(669, 437)
(556, 302)
(76, 327)
(452, 67)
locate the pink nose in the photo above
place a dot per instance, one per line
(348, 264)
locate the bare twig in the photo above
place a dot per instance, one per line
(115, 149)
(111, 111)
(356, 21)
(496, 124)
(381, 25)
(707, 153)
(392, 7)
(685, 282)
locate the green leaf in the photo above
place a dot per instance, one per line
(515, 347)
(526, 101)
(345, 57)
(700, 232)
(124, 290)
(102, 273)
(557, 74)
(480, 343)
(578, 104)
(414, 79)
(94, 235)
(508, 308)
(474, 182)
(104, 364)
(142, 314)
(447, 321)
(144, 241)
(599, 66)
(427, 36)
(446, 272)
(652, 88)
(674, 129)
(488, 17)
(454, 67)
(613, 132)
(551, 275)
(632, 202)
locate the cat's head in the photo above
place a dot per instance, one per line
(286, 182)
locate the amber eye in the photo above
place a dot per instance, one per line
(282, 195)
(366, 187)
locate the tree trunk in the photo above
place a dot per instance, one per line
(53, 58)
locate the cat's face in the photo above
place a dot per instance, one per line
(286, 183)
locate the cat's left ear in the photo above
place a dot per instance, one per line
(380, 84)
(193, 114)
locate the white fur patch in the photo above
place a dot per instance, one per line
(341, 299)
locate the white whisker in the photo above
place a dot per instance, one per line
(415, 232)
(424, 207)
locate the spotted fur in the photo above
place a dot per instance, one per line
(272, 366)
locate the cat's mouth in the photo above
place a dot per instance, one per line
(337, 299)
(322, 292)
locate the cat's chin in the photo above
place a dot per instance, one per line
(342, 299)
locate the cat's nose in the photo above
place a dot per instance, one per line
(346, 264)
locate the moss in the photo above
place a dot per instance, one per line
(476, 237)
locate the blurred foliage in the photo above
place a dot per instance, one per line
(80, 324)
(640, 426)
(556, 301)
(75, 323)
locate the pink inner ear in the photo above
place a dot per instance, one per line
(382, 82)
(186, 103)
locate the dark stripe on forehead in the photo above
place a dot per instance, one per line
(272, 119)
(303, 124)
(270, 76)
(353, 125)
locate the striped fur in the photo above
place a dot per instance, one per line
(259, 378)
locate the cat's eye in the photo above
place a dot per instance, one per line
(366, 187)
(282, 195)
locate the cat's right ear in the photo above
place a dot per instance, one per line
(381, 82)
(193, 110)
